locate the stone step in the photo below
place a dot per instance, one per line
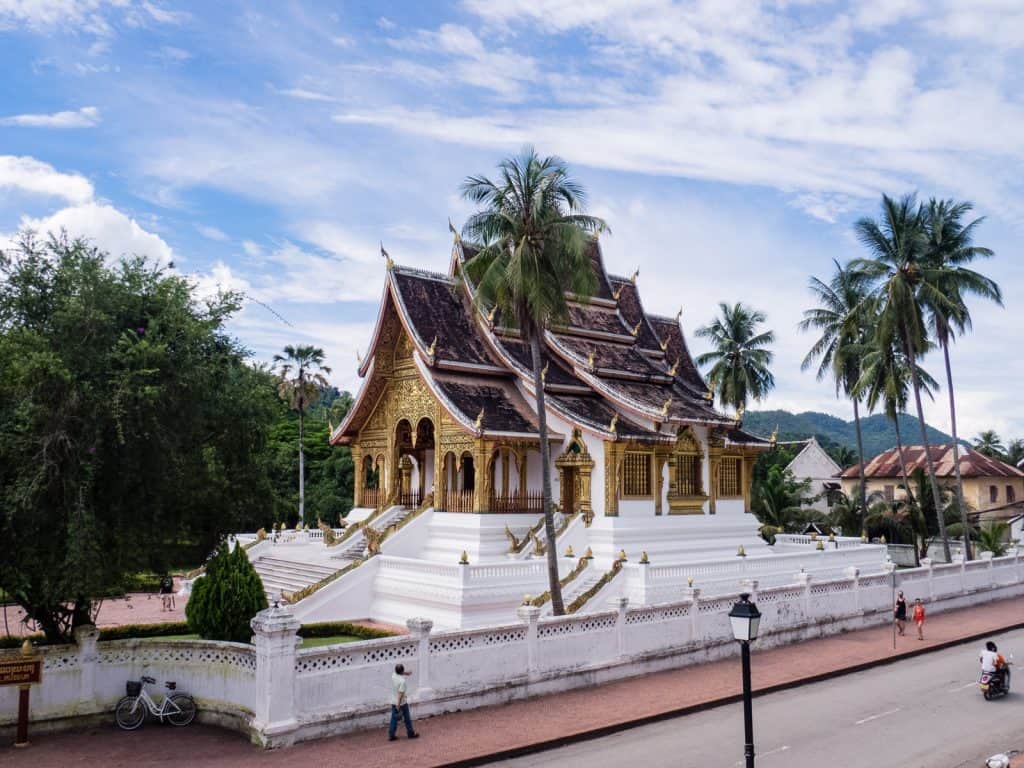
(313, 573)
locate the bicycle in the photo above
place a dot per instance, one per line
(178, 708)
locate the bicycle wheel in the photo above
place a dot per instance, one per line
(186, 709)
(130, 713)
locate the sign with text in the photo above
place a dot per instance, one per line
(21, 671)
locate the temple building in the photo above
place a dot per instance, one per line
(651, 482)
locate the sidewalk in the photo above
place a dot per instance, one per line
(467, 737)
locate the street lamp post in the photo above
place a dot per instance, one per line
(745, 619)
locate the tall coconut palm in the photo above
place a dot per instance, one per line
(950, 249)
(1015, 452)
(989, 443)
(533, 239)
(899, 267)
(886, 381)
(301, 376)
(844, 319)
(740, 361)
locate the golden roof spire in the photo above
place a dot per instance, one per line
(775, 435)
(636, 274)
(455, 233)
(613, 427)
(679, 315)
(433, 347)
(387, 257)
(479, 423)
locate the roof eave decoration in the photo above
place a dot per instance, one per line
(338, 433)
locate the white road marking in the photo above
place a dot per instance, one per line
(876, 717)
(783, 748)
(962, 687)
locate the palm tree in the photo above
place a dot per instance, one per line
(846, 514)
(886, 379)
(950, 250)
(300, 379)
(898, 247)
(989, 443)
(1015, 452)
(739, 359)
(843, 455)
(843, 317)
(533, 240)
(779, 502)
(993, 537)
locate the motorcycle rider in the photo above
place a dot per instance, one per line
(993, 663)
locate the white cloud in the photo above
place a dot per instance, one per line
(86, 117)
(212, 233)
(28, 175)
(49, 13)
(252, 249)
(170, 53)
(219, 278)
(304, 94)
(110, 229)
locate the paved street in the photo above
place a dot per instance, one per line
(926, 711)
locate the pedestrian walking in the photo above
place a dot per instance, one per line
(919, 618)
(400, 704)
(167, 593)
(900, 612)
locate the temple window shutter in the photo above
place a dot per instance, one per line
(636, 474)
(729, 477)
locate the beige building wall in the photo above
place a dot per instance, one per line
(981, 493)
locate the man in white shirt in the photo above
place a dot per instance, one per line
(400, 704)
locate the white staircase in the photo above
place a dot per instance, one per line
(281, 575)
(353, 549)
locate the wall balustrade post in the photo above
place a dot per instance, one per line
(621, 605)
(990, 570)
(1015, 551)
(419, 630)
(693, 595)
(276, 640)
(86, 638)
(926, 562)
(853, 573)
(750, 587)
(530, 615)
(803, 579)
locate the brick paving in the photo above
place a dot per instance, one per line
(464, 736)
(133, 608)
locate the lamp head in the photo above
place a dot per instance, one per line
(745, 619)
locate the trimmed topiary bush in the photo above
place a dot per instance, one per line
(224, 601)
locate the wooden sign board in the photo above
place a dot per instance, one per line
(21, 671)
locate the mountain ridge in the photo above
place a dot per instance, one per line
(831, 431)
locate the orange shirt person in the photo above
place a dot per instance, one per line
(918, 616)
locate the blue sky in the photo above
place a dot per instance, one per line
(269, 147)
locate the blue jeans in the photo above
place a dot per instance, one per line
(394, 721)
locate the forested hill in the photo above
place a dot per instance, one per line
(878, 431)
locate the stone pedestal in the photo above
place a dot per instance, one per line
(276, 640)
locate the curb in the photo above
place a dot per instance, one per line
(607, 730)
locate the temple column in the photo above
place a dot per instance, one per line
(360, 475)
(586, 508)
(747, 480)
(481, 479)
(660, 459)
(612, 452)
(714, 466)
(405, 472)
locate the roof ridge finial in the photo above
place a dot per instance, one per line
(636, 329)
(479, 423)
(663, 345)
(455, 233)
(387, 257)
(775, 436)
(613, 427)
(544, 372)
(679, 316)
(591, 359)
(432, 348)
(618, 292)
(675, 367)
(664, 408)
(491, 314)
(636, 274)
(359, 358)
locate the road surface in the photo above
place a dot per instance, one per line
(925, 712)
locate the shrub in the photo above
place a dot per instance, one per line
(224, 601)
(336, 628)
(144, 630)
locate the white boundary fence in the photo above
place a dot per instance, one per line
(280, 694)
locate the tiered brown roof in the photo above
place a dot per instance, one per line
(610, 369)
(972, 463)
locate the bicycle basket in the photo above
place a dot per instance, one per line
(133, 687)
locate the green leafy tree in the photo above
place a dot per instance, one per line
(740, 359)
(950, 250)
(990, 444)
(300, 382)
(994, 537)
(846, 515)
(226, 598)
(902, 274)
(843, 455)
(132, 429)
(533, 242)
(845, 319)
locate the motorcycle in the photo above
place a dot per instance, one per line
(995, 684)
